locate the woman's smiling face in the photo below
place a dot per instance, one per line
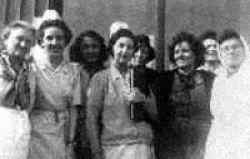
(183, 55)
(90, 49)
(53, 40)
(232, 53)
(123, 50)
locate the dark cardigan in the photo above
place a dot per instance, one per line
(176, 130)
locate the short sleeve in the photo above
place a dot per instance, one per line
(1, 71)
(84, 85)
(77, 89)
(95, 93)
(3, 77)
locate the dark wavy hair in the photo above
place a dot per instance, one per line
(121, 33)
(208, 34)
(54, 23)
(194, 43)
(228, 34)
(75, 53)
(143, 39)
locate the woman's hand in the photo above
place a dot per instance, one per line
(136, 96)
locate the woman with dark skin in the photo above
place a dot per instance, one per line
(90, 51)
(183, 101)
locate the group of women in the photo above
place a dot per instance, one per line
(87, 108)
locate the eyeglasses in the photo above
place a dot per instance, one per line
(228, 48)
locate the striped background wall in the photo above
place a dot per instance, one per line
(25, 9)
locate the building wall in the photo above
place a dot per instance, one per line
(192, 15)
(99, 14)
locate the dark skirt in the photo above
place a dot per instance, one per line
(82, 147)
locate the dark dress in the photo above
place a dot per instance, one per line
(82, 148)
(144, 79)
(184, 113)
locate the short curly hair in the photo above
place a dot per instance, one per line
(121, 33)
(75, 53)
(54, 23)
(195, 45)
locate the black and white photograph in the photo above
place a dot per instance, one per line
(124, 79)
